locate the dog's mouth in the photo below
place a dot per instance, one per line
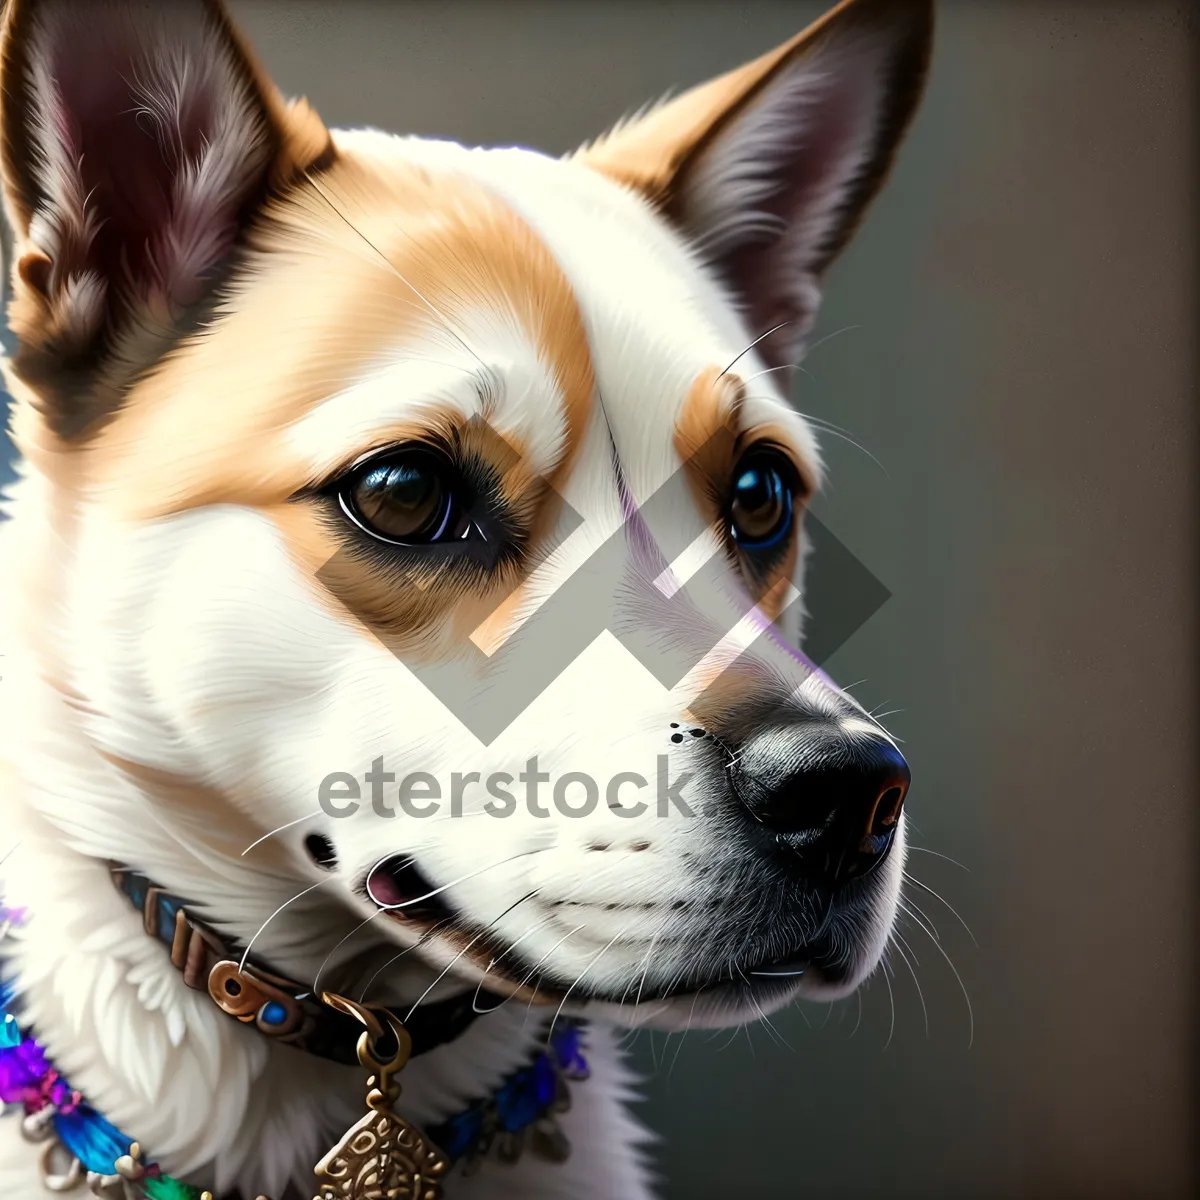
(399, 887)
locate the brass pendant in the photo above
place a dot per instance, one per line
(381, 1156)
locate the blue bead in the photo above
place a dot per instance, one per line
(273, 1013)
(460, 1134)
(88, 1136)
(10, 1035)
(517, 1102)
(545, 1080)
(167, 908)
(568, 1049)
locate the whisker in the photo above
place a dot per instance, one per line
(686, 1030)
(914, 910)
(833, 431)
(482, 933)
(533, 970)
(637, 1000)
(774, 1033)
(424, 939)
(829, 337)
(508, 949)
(892, 998)
(391, 267)
(901, 943)
(461, 879)
(953, 911)
(936, 854)
(571, 933)
(761, 337)
(749, 1039)
(250, 943)
(280, 829)
(579, 979)
(837, 431)
(828, 1014)
(771, 370)
(726, 1043)
(963, 988)
(340, 943)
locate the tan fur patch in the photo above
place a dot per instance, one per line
(710, 439)
(706, 436)
(344, 270)
(350, 267)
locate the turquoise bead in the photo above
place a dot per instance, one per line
(273, 1013)
(10, 1035)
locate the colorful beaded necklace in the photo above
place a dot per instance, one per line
(519, 1115)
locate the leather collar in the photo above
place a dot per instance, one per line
(278, 1007)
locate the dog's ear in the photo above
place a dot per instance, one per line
(136, 141)
(767, 169)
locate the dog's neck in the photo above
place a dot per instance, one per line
(172, 1070)
(158, 1058)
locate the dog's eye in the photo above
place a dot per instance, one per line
(407, 496)
(760, 512)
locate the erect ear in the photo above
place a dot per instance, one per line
(767, 169)
(136, 141)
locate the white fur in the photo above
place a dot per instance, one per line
(202, 652)
(438, 371)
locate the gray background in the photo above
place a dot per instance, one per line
(1017, 351)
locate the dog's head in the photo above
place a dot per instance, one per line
(439, 511)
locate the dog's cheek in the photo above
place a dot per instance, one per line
(201, 641)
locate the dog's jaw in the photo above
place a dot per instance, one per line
(118, 1020)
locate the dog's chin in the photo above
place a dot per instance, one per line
(809, 974)
(748, 993)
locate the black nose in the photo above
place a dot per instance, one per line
(832, 798)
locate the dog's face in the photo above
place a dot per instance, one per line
(360, 448)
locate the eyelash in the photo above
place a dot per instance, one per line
(469, 561)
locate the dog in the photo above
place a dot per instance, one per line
(319, 434)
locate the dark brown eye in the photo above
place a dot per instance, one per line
(760, 512)
(404, 496)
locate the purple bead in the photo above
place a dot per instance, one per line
(23, 1070)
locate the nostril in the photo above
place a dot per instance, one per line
(886, 811)
(834, 802)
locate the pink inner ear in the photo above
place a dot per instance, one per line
(150, 146)
(776, 273)
(129, 147)
(773, 195)
(126, 166)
